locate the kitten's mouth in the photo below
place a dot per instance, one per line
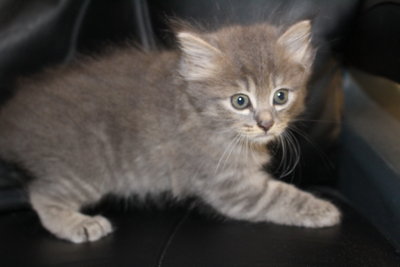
(263, 138)
(259, 136)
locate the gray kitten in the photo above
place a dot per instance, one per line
(193, 122)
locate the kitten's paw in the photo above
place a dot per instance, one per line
(89, 229)
(318, 213)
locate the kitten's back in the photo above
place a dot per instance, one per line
(58, 106)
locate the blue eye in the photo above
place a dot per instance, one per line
(240, 101)
(281, 96)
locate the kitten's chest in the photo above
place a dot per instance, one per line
(174, 162)
(237, 153)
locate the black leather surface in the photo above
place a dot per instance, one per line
(331, 19)
(138, 241)
(35, 34)
(39, 33)
(114, 22)
(369, 160)
(375, 40)
(184, 237)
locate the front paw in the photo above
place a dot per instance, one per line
(86, 229)
(317, 213)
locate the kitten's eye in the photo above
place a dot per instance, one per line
(281, 96)
(240, 101)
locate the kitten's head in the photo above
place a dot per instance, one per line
(248, 80)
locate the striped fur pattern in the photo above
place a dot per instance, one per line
(137, 123)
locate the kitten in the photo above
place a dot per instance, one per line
(191, 122)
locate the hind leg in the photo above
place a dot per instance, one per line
(59, 213)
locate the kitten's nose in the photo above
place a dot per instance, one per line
(264, 120)
(265, 125)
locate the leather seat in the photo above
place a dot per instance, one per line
(188, 236)
(37, 34)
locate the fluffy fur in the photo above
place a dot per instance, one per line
(147, 123)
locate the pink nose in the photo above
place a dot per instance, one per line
(265, 125)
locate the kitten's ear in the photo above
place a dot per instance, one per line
(199, 58)
(297, 40)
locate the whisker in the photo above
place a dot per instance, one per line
(228, 150)
(290, 154)
(308, 120)
(247, 148)
(320, 152)
(283, 166)
(295, 157)
(283, 156)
